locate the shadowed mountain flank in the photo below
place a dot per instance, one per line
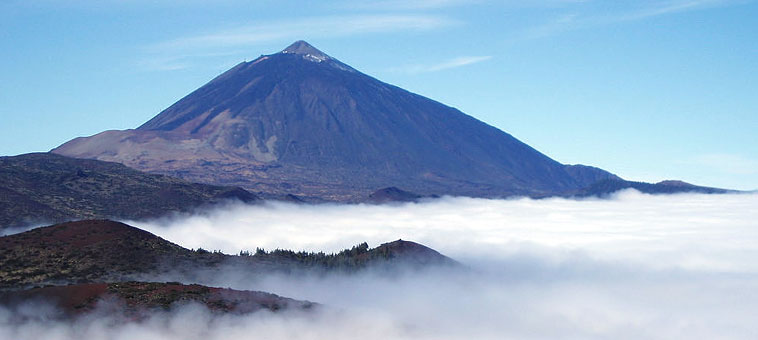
(393, 194)
(301, 122)
(48, 188)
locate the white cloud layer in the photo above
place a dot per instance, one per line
(634, 267)
(690, 231)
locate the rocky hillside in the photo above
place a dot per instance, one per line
(88, 251)
(47, 188)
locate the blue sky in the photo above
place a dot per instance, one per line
(647, 89)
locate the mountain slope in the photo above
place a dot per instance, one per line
(302, 122)
(45, 187)
(87, 251)
(607, 187)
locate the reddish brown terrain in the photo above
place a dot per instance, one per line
(136, 299)
(88, 251)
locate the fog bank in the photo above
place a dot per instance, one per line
(714, 232)
(633, 267)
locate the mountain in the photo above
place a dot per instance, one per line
(45, 188)
(302, 122)
(136, 300)
(94, 251)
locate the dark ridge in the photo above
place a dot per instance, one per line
(607, 187)
(49, 188)
(292, 199)
(107, 251)
(394, 194)
(414, 253)
(392, 255)
(136, 300)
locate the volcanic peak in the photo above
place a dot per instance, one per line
(306, 50)
(301, 122)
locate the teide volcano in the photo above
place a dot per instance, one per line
(301, 122)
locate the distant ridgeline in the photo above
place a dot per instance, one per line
(47, 188)
(358, 257)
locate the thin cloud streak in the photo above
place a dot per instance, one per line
(558, 25)
(576, 19)
(180, 62)
(445, 65)
(671, 7)
(387, 5)
(313, 27)
(182, 53)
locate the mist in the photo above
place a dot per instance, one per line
(695, 231)
(631, 267)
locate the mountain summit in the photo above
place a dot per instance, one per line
(301, 122)
(303, 48)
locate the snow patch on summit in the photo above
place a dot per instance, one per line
(315, 58)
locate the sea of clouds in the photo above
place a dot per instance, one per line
(631, 267)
